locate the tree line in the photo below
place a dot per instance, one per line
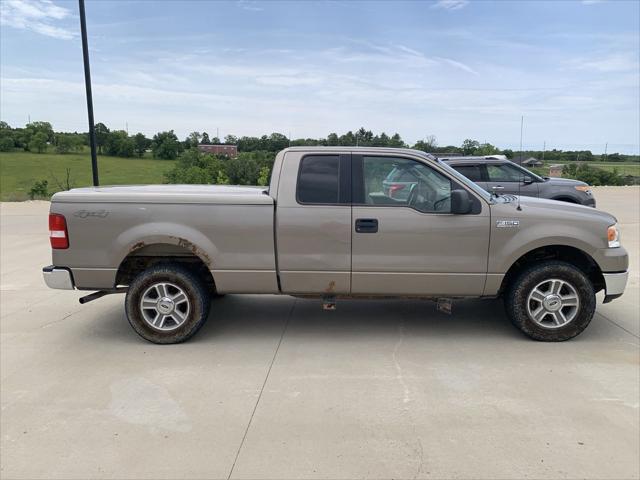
(39, 137)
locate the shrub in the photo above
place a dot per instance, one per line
(39, 190)
(593, 175)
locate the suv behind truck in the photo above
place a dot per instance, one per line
(327, 227)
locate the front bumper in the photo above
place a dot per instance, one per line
(615, 284)
(58, 278)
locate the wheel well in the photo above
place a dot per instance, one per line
(150, 255)
(574, 256)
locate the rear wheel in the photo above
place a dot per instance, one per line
(167, 303)
(552, 301)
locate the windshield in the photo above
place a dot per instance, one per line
(462, 179)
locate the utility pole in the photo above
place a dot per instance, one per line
(126, 127)
(544, 149)
(605, 151)
(87, 84)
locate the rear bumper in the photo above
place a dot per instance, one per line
(615, 284)
(58, 278)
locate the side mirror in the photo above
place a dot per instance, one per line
(527, 180)
(460, 202)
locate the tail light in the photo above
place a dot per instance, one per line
(58, 235)
(395, 188)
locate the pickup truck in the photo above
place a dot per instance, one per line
(327, 228)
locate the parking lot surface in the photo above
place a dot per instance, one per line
(273, 387)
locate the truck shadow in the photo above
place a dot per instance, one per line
(265, 316)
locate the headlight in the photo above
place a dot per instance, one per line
(613, 236)
(583, 188)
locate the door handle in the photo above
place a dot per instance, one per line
(497, 187)
(367, 225)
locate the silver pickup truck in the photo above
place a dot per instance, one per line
(327, 227)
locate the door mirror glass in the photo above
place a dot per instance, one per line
(460, 202)
(527, 180)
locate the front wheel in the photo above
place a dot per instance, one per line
(167, 303)
(552, 301)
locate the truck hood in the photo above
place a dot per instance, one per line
(216, 194)
(551, 208)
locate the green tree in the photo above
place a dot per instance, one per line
(485, 149)
(140, 144)
(7, 142)
(231, 140)
(40, 127)
(396, 141)
(64, 143)
(264, 175)
(38, 142)
(205, 139)
(102, 134)
(165, 145)
(469, 146)
(119, 144)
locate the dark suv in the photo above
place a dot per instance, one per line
(498, 175)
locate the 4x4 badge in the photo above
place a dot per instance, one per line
(507, 223)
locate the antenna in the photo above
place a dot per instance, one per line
(520, 182)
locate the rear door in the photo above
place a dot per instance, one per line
(474, 172)
(414, 245)
(508, 178)
(313, 223)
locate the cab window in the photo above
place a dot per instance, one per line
(393, 181)
(319, 180)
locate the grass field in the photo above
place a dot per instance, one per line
(20, 170)
(623, 168)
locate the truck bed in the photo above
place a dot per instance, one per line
(229, 228)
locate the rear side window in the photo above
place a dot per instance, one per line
(319, 179)
(472, 172)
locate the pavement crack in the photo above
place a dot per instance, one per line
(264, 383)
(399, 375)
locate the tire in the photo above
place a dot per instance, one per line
(543, 295)
(167, 303)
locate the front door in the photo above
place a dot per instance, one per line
(405, 240)
(508, 178)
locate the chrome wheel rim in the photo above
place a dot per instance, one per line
(165, 306)
(553, 303)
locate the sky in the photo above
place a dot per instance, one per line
(455, 69)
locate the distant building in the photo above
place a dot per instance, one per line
(555, 170)
(532, 162)
(230, 151)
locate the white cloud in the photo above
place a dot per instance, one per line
(451, 4)
(249, 5)
(35, 15)
(617, 62)
(591, 2)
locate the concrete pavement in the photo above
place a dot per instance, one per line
(273, 387)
